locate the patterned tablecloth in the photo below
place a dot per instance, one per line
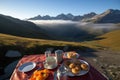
(93, 74)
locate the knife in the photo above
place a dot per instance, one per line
(55, 75)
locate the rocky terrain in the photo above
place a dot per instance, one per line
(106, 61)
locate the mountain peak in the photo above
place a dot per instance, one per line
(112, 11)
(109, 16)
(69, 14)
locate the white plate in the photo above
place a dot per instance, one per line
(50, 66)
(27, 67)
(65, 54)
(82, 72)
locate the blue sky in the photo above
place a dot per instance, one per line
(29, 8)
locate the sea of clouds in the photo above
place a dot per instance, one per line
(71, 29)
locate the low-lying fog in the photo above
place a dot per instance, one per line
(71, 30)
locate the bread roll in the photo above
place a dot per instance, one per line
(72, 65)
(71, 55)
(84, 66)
(75, 71)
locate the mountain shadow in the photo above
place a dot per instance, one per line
(14, 26)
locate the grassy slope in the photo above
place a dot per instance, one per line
(9, 40)
(111, 40)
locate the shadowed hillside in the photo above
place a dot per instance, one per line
(14, 26)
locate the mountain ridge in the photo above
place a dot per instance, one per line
(108, 16)
(63, 16)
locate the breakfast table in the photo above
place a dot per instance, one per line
(93, 74)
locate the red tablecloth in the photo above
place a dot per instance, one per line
(93, 74)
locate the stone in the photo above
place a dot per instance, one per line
(95, 60)
(8, 70)
(112, 66)
(102, 67)
(106, 65)
(109, 70)
(13, 53)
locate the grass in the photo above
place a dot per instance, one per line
(111, 40)
(28, 45)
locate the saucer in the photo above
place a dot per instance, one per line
(50, 66)
(27, 67)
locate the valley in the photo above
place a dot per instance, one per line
(97, 41)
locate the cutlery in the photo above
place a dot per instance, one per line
(55, 75)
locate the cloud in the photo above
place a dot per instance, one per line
(71, 29)
(52, 22)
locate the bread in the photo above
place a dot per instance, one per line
(72, 65)
(84, 66)
(71, 55)
(75, 66)
(75, 71)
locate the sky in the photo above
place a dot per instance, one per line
(23, 9)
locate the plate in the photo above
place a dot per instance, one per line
(27, 67)
(50, 66)
(82, 72)
(66, 55)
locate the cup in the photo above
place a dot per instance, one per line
(50, 60)
(47, 53)
(59, 55)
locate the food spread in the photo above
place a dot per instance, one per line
(40, 74)
(75, 66)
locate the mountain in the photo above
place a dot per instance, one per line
(46, 17)
(77, 18)
(109, 16)
(62, 16)
(86, 17)
(70, 16)
(14, 26)
(36, 18)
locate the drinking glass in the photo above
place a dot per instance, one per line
(47, 53)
